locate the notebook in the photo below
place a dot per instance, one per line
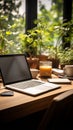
(16, 75)
(59, 81)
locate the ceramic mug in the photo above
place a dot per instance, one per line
(68, 70)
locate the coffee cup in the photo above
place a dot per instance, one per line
(68, 70)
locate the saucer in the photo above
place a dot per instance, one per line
(65, 76)
(69, 77)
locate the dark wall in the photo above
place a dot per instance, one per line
(67, 16)
(31, 14)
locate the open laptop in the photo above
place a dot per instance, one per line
(16, 75)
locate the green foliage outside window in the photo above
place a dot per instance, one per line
(45, 37)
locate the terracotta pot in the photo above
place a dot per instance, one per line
(55, 62)
(42, 57)
(33, 62)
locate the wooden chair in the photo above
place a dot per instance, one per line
(59, 116)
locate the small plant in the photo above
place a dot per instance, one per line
(66, 56)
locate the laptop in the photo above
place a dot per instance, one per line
(16, 75)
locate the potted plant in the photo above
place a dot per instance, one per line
(66, 54)
(66, 57)
(30, 43)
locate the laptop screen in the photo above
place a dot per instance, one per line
(14, 68)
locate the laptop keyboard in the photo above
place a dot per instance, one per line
(26, 84)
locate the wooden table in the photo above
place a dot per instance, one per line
(20, 105)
